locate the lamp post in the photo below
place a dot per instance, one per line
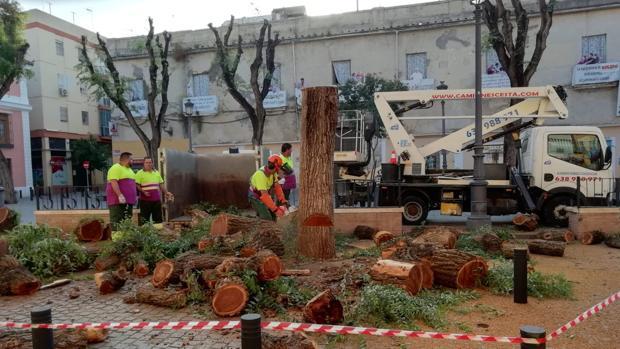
(189, 112)
(444, 160)
(478, 217)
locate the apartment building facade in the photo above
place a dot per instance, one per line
(421, 44)
(15, 135)
(63, 110)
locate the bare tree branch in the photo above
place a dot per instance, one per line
(152, 74)
(546, 20)
(165, 75)
(229, 30)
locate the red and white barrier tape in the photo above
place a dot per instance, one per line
(333, 329)
(585, 315)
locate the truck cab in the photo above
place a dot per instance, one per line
(563, 164)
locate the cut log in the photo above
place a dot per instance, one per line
(103, 263)
(8, 219)
(441, 236)
(406, 275)
(569, 236)
(205, 244)
(107, 232)
(508, 249)
(407, 250)
(381, 237)
(90, 230)
(4, 247)
(209, 278)
(324, 308)
(491, 242)
(364, 232)
(428, 277)
(267, 264)
(555, 235)
(296, 272)
(548, 248)
(457, 269)
(141, 269)
(109, 281)
(526, 222)
(267, 240)
(15, 279)
(592, 237)
(94, 335)
(613, 241)
(294, 340)
(228, 224)
(229, 297)
(246, 252)
(198, 216)
(148, 294)
(169, 271)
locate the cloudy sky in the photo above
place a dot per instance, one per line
(117, 18)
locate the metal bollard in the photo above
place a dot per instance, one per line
(533, 332)
(250, 331)
(42, 338)
(520, 275)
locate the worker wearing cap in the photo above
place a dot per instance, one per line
(263, 183)
(151, 187)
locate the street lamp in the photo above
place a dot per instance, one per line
(478, 217)
(189, 111)
(444, 160)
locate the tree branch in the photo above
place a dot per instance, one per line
(152, 75)
(229, 30)
(15, 71)
(270, 52)
(257, 63)
(497, 38)
(546, 20)
(165, 75)
(522, 28)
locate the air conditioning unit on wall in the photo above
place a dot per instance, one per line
(63, 91)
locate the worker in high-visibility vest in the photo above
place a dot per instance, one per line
(288, 180)
(264, 183)
(152, 192)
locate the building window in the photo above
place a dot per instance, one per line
(5, 129)
(416, 65)
(581, 150)
(60, 48)
(84, 118)
(58, 144)
(593, 49)
(64, 114)
(341, 72)
(200, 85)
(136, 90)
(63, 84)
(105, 117)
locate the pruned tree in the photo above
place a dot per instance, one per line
(510, 48)
(108, 82)
(228, 57)
(13, 66)
(89, 149)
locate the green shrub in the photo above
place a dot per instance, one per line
(500, 281)
(45, 252)
(213, 209)
(131, 242)
(468, 242)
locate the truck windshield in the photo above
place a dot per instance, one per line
(580, 149)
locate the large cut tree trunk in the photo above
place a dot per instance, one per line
(548, 248)
(228, 224)
(324, 308)
(90, 230)
(16, 279)
(6, 180)
(406, 275)
(169, 271)
(319, 115)
(456, 269)
(103, 263)
(148, 294)
(229, 297)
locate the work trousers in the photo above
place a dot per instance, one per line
(262, 211)
(119, 213)
(148, 210)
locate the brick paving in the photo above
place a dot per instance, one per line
(92, 307)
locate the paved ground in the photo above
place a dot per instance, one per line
(92, 307)
(26, 209)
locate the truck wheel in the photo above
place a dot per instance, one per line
(554, 213)
(415, 210)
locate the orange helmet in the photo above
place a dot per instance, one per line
(274, 162)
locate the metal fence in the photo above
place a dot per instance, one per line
(69, 198)
(597, 191)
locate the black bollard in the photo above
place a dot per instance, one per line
(533, 332)
(42, 338)
(520, 275)
(250, 331)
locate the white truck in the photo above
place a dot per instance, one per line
(556, 162)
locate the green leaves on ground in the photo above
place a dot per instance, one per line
(274, 295)
(500, 281)
(45, 252)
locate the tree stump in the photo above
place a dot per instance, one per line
(15, 279)
(109, 281)
(103, 263)
(148, 294)
(381, 237)
(324, 308)
(548, 248)
(525, 222)
(406, 275)
(229, 297)
(592, 237)
(364, 232)
(456, 269)
(90, 230)
(319, 115)
(441, 236)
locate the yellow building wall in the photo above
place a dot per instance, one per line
(137, 149)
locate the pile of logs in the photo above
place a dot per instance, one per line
(430, 258)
